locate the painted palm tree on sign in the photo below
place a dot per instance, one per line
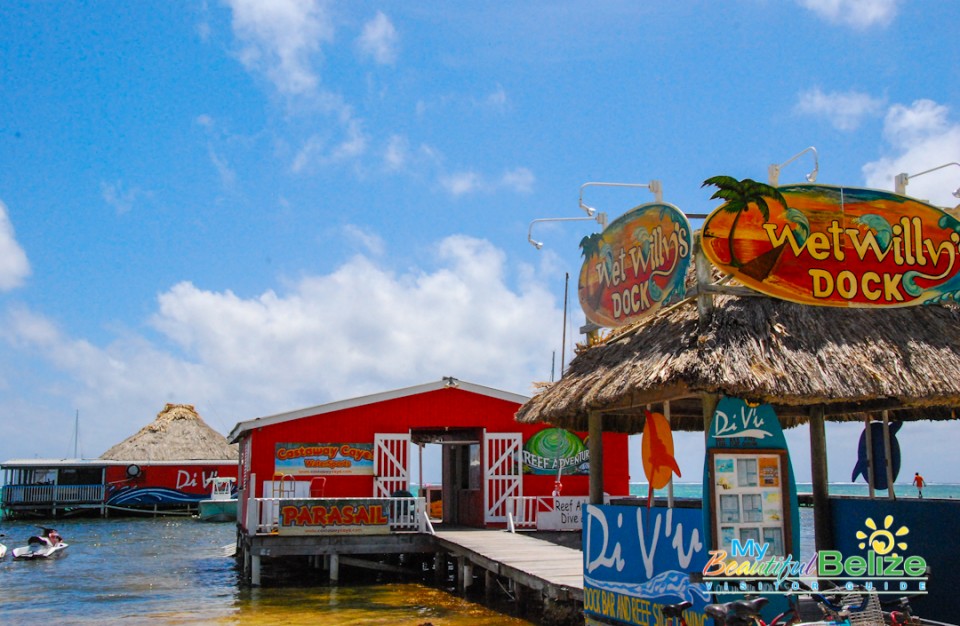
(739, 196)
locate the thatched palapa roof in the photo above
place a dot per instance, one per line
(850, 361)
(178, 434)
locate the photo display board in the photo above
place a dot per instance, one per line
(748, 495)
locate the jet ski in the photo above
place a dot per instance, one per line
(43, 546)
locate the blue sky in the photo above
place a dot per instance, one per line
(255, 206)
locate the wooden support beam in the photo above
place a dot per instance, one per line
(334, 568)
(374, 565)
(440, 568)
(255, 570)
(870, 460)
(704, 278)
(709, 402)
(595, 431)
(818, 474)
(889, 458)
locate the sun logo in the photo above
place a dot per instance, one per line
(882, 540)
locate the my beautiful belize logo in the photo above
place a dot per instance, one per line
(882, 567)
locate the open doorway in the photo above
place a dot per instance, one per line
(450, 475)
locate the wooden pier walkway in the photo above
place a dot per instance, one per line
(553, 570)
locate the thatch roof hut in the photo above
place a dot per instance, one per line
(850, 362)
(177, 434)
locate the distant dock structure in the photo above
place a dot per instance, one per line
(166, 468)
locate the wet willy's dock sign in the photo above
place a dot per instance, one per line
(834, 246)
(635, 266)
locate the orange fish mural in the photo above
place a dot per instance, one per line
(656, 450)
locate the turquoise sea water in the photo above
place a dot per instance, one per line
(901, 490)
(173, 571)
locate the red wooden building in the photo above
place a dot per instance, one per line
(366, 447)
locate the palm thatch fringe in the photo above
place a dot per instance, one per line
(850, 361)
(177, 434)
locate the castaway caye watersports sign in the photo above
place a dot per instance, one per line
(833, 246)
(635, 266)
(323, 459)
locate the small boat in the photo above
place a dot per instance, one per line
(3, 551)
(222, 505)
(44, 546)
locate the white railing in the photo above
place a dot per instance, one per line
(52, 494)
(405, 514)
(522, 512)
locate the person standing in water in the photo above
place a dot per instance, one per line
(918, 482)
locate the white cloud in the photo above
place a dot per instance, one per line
(460, 183)
(518, 180)
(844, 110)
(379, 40)
(364, 328)
(121, 199)
(859, 14)
(368, 240)
(228, 177)
(921, 136)
(360, 329)
(316, 150)
(281, 39)
(397, 153)
(497, 99)
(14, 267)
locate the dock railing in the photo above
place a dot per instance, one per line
(522, 511)
(14, 495)
(405, 514)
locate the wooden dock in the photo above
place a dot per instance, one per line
(555, 571)
(543, 580)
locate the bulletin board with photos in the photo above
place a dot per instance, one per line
(749, 499)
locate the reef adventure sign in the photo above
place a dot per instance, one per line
(834, 246)
(635, 266)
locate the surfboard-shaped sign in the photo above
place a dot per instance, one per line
(833, 246)
(635, 266)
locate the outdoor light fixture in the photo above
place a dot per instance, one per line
(592, 214)
(654, 187)
(773, 172)
(901, 180)
(601, 219)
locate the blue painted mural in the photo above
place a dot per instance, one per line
(636, 560)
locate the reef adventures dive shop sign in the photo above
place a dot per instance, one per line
(324, 459)
(635, 266)
(834, 246)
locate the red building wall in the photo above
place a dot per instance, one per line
(164, 482)
(451, 408)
